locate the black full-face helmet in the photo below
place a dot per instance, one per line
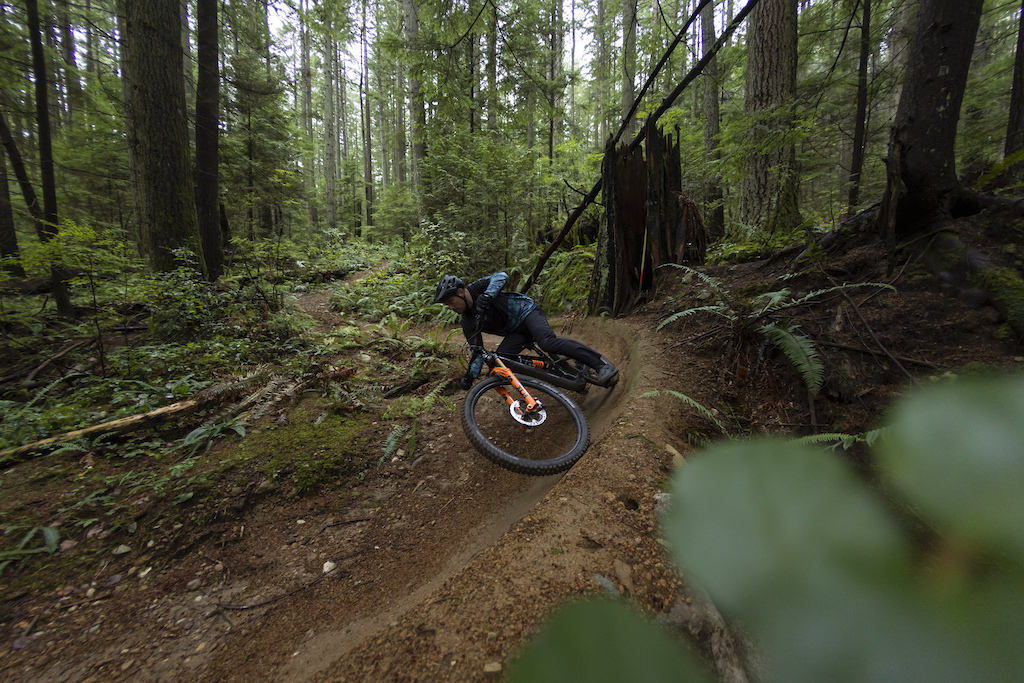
(447, 287)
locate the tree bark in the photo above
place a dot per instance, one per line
(207, 182)
(417, 108)
(860, 123)
(46, 222)
(1015, 123)
(602, 76)
(330, 137)
(8, 235)
(628, 64)
(158, 140)
(769, 190)
(364, 108)
(714, 203)
(648, 222)
(923, 188)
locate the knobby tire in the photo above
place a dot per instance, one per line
(548, 448)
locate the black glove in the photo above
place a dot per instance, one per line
(483, 302)
(465, 383)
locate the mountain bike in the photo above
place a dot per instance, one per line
(518, 417)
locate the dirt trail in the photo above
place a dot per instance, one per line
(446, 564)
(457, 579)
(443, 565)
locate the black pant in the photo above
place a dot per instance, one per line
(537, 329)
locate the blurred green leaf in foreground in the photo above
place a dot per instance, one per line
(791, 543)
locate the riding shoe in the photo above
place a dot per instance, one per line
(607, 375)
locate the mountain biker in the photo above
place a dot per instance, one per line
(517, 318)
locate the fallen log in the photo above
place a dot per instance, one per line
(124, 424)
(219, 394)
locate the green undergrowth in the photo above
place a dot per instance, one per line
(916, 575)
(565, 282)
(317, 448)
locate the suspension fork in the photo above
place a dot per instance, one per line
(503, 370)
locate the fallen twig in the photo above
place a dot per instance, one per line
(871, 332)
(861, 349)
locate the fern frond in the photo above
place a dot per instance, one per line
(717, 309)
(696, 405)
(815, 439)
(872, 437)
(71, 447)
(771, 300)
(713, 283)
(394, 439)
(801, 352)
(431, 397)
(828, 290)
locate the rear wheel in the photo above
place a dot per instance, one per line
(540, 443)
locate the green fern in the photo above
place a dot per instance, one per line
(800, 350)
(847, 441)
(393, 441)
(717, 309)
(696, 405)
(713, 283)
(51, 537)
(810, 296)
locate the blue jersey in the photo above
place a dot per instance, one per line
(507, 313)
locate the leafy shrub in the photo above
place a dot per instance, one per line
(790, 542)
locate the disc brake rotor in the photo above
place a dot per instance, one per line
(533, 419)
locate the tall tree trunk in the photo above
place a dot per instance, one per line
(67, 44)
(602, 79)
(769, 190)
(628, 63)
(47, 227)
(714, 204)
(417, 108)
(90, 41)
(330, 137)
(208, 135)
(383, 134)
(492, 69)
(1015, 123)
(472, 59)
(364, 108)
(306, 98)
(8, 235)
(923, 187)
(186, 57)
(860, 124)
(556, 31)
(158, 140)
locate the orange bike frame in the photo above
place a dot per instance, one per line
(503, 370)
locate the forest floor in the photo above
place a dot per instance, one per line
(444, 564)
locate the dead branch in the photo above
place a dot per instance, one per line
(223, 392)
(125, 424)
(871, 332)
(860, 349)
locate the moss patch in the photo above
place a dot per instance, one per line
(1006, 287)
(317, 447)
(566, 281)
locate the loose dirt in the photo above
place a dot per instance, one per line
(444, 566)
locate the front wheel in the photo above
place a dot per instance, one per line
(543, 443)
